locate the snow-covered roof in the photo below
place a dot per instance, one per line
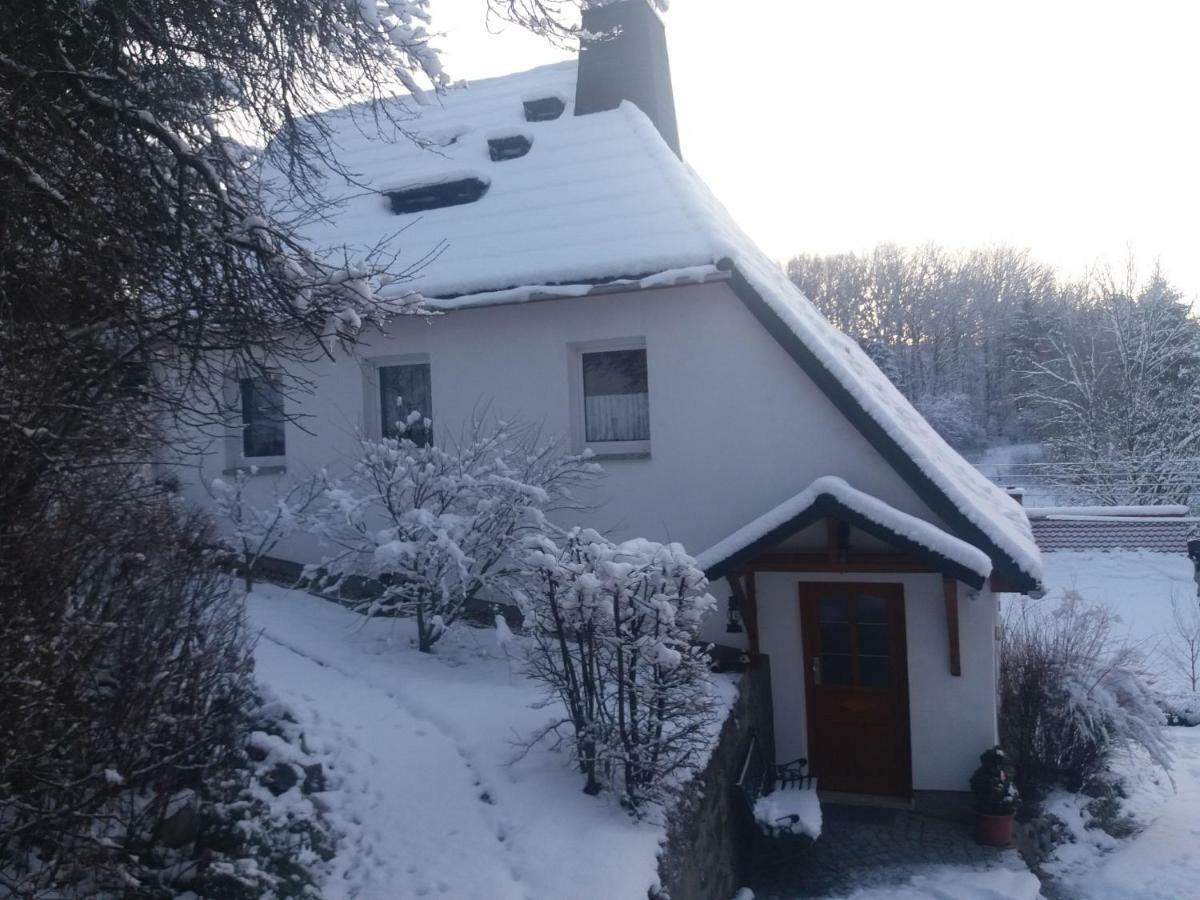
(770, 527)
(602, 197)
(1155, 529)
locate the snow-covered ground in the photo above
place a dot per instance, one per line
(1138, 587)
(418, 749)
(1162, 862)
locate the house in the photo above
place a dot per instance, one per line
(590, 282)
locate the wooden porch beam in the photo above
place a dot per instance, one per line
(950, 594)
(820, 562)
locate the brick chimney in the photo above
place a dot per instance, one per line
(623, 56)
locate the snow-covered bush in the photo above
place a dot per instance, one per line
(614, 629)
(256, 530)
(437, 526)
(1071, 695)
(1181, 709)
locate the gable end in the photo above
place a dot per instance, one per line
(877, 436)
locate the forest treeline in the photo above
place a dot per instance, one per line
(992, 345)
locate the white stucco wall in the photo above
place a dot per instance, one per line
(736, 426)
(952, 718)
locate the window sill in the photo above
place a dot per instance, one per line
(274, 469)
(618, 454)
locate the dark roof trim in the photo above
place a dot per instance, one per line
(828, 505)
(925, 488)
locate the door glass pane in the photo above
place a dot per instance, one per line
(836, 669)
(835, 637)
(834, 608)
(874, 671)
(873, 639)
(871, 609)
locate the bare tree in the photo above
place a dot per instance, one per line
(1183, 640)
(256, 528)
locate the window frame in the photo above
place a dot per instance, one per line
(235, 435)
(372, 402)
(605, 449)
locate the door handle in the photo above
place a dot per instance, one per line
(816, 669)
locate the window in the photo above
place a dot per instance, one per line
(404, 389)
(500, 149)
(544, 109)
(616, 400)
(262, 418)
(436, 196)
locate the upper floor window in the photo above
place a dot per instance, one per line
(262, 417)
(403, 390)
(616, 400)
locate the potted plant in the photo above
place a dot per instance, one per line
(996, 799)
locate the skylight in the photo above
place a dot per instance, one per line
(504, 148)
(436, 196)
(544, 109)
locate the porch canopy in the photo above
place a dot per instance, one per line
(909, 545)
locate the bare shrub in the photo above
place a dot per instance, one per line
(614, 627)
(255, 530)
(1183, 640)
(124, 667)
(1071, 695)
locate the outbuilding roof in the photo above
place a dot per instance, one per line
(602, 198)
(1109, 529)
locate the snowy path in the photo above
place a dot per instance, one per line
(418, 752)
(368, 737)
(1163, 862)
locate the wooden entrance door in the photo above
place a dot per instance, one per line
(857, 687)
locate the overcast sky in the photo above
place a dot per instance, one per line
(1070, 128)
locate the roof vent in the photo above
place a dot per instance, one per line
(504, 148)
(544, 109)
(436, 196)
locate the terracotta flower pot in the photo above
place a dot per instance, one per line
(994, 831)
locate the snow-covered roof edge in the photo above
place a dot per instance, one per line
(1122, 512)
(832, 495)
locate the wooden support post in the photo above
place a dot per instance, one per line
(950, 594)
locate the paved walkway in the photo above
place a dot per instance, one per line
(864, 847)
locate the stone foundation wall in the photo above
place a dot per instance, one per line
(710, 835)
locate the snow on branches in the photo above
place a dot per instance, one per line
(437, 526)
(615, 629)
(256, 529)
(1072, 694)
